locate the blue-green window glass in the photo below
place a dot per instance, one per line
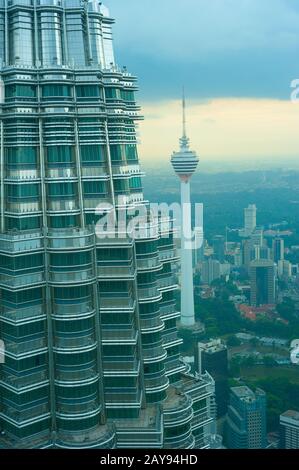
(20, 156)
(26, 223)
(112, 93)
(127, 95)
(88, 91)
(21, 262)
(72, 293)
(55, 90)
(59, 154)
(91, 219)
(70, 259)
(146, 247)
(135, 183)
(116, 153)
(63, 221)
(20, 91)
(92, 188)
(61, 189)
(92, 153)
(131, 152)
(15, 299)
(121, 186)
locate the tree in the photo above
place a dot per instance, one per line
(233, 341)
(268, 361)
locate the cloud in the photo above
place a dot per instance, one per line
(218, 48)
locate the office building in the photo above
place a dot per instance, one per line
(249, 219)
(262, 282)
(210, 271)
(289, 430)
(211, 356)
(246, 419)
(88, 318)
(284, 269)
(278, 250)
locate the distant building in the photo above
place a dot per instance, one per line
(265, 252)
(257, 236)
(278, 249)
(284, 269)
(289, 430)
(246, 419)
(210, 271)
(238, 258)
(219, 248)
(211, 356)
(225, 269)
(262, 282)
(198, 252)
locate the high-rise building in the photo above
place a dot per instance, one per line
(249, 220)
(278, 249)
(198, 252)
(284, 269)
(289, 430)
(246, 419)
(89, 321)
(210, 271)
(211, 356)
(184, 163)
(262, 282)
(219, 247)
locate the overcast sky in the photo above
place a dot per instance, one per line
(222, 50)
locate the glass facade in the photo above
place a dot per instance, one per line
(89, 324)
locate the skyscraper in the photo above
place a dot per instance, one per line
(210, 271)
(185, 163)
(211, 356)
(219, 247)
(246, 419)
(262, 282)
(88, 322)
(249, 220)
(278, 249)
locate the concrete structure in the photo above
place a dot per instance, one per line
(277, 249)
(289, 430)
(210, 271)
(211, 356)
(246, 419)
(184, 163)
(92, 356)
(218, 243)
(249, 220)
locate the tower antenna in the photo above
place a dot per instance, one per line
(184, 113)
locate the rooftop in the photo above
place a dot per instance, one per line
(291, 414)
(244, 393)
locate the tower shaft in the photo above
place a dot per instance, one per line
(187, 295)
